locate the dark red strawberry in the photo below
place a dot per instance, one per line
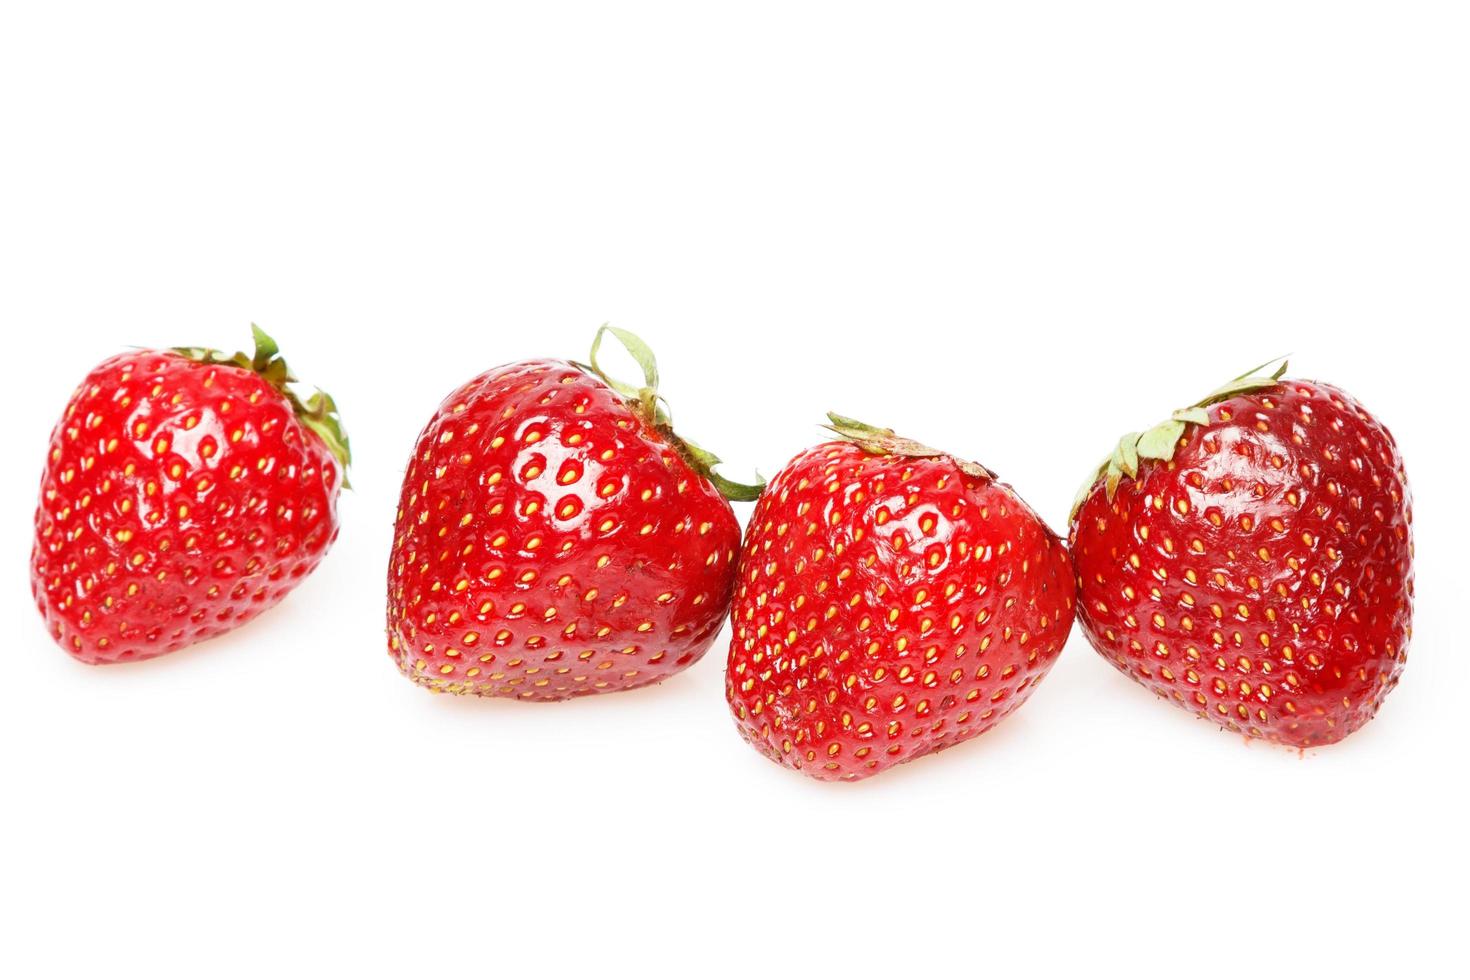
(185, 492)
(555, 538)
(893, 601)
(1251, 560)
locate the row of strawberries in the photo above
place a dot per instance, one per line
(1249, 558)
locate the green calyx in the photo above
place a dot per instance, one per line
(885, 442)
(1161, 441)
(318, 412)
(654, 410)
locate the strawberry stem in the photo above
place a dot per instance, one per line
(654, 410)
(318, 412)
(886, 442)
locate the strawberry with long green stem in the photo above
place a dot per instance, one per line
(556, 538)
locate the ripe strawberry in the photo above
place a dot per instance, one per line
(1251, 560)
(893, 601)
(556, 538)
(186, 491)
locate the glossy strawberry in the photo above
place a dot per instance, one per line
(185, 492)
(1250, 560)
(892, 601)
(555, 538)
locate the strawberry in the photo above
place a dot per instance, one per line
(186, 491)
(893, 601)
(1250, 559)
(556, 538)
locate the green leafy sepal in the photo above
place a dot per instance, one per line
(885, 442)
(654, 410)
(1161, 441)
(318, 412)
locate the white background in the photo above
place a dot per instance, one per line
(1013, 231)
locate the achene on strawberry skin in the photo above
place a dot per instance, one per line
(892, 601)
(555, 538)
(1251, 560)
(185, 492)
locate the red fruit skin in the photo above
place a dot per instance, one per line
(550, 544)
(179, 501)
(888, 607)
(1262, 579)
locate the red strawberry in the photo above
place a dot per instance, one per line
(1251, 560)
(893, 601)
(555, 538)
(185, 492)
